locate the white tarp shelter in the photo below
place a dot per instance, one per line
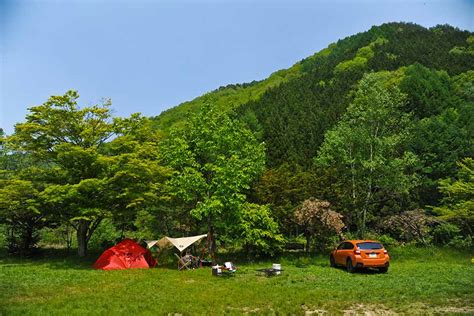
(180, 243)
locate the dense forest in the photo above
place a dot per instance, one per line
(371, 137)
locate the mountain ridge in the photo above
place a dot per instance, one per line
(324, 62)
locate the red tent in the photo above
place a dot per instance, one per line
(127, 254)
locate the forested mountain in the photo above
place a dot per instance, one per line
(294, 107)
(372, 135)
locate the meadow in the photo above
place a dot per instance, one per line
(420, 281)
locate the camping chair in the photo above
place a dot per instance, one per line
(182, 263)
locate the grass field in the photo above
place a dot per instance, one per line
(422, 281)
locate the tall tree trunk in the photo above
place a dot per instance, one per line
(211, 239)
(84, 230)
(82, 238)
(308, 242)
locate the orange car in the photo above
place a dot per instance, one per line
(354, 254)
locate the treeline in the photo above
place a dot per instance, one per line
(371, 137)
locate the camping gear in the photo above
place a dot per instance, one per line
(127, 254)
(227, 269)
(180, 243)
(274, 270)
(183, 264)
(216, 270)
(228, 266)
(277, 268)
(205, 263)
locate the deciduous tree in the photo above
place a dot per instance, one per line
(318, 220)
(366, 148)
(215, 159)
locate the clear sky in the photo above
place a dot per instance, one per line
(148, 56)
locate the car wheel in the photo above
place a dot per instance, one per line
(383, 270)
(332, 262)
(349, 266)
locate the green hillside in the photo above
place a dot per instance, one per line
(293, 110)
(388, 46)
(228, 97)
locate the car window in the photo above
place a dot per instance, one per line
(349, 246)
(341, 246)
(369, 245)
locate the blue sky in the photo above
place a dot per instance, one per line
(148, 56)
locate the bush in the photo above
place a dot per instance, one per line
(318, 222)
(410, 226)
(3, 236)
(63, 236)
(105, 236)
(444, 233)
(460, 242)
(386, 240)
(259, 233)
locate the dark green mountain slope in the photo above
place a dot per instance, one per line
(295, 116)
(293, 108)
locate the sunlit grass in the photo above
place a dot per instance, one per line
(419, 280)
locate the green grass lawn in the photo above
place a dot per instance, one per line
(419, 281)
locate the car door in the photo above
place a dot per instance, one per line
(339, 253)
(348, 250)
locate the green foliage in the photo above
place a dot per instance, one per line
(360, 61)
(225, 98)
(20, 212)
(464, 50)
(295, 115)
(147, 226)
(105, 236)
(445, 233)
(88, 177)
(259, 233)
(458, 201)
(389, 112)
(284, 188)
(215, 159)
(428, 91)
(463, 85)
(440, 141)
(365, 149)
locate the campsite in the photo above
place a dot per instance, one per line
(282, 157)
(422, 281)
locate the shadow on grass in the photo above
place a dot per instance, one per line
(52, 258)
(368, 271)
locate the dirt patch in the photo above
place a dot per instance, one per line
(309, 311)
(454, 310)
(368, 310)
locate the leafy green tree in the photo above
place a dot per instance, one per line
(135, 178)
(259, 232)
(283, 189)
(440, 141)
(215, 160)
(90, 178)
(19, 211)
(428, 91)
(366, 149)
(61, 135)
(458, 201)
